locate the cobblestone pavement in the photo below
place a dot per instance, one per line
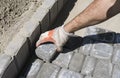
(97, 57)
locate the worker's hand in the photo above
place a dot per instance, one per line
(58, 36)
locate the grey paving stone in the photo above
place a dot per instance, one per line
(76, 62)
(46, 51)
(65, 73)
(100, 34)
(48, 70)
(103, 69)
(88, 65)
(63, 59)
(116, 72)
(102, 50)
(86, 46)
(34, 69)
(4, 63)
(116, 54)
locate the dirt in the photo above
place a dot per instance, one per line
(13, 14)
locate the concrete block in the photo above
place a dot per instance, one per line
(103, 69)
(11, 71)
(65, 73)
(63, 59)
(4, 63)
(100, 34)
(48, 70)
(60, 5)
(102, 50)
(116, 72)
(88, 65)
(46, 51)
(116, 54)
(52, 7)
(18, 48)
(86, 46)
(76, 62)
(34, 69)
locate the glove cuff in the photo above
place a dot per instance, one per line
(69, 34)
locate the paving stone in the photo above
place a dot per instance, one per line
(34, 69)
(63, 59)
(88, 65)
(65, 73)
(46, 51)
(103, 69)
(116, 55)
(48, 70)
(88, 76)
(4, 62)
(102, 50)
(100, 34)
(116, 72)
(52, 7)
(76, 62)
(86, 46)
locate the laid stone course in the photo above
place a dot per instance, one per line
(88, 65)
(65, 73)
(102, 50)
(46, 51)
(116, 55)
(76, 62)
(48, 70)
(116, 71)
(103, 69)
(64, 59)
(86, 46)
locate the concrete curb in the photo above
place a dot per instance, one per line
(20, 46)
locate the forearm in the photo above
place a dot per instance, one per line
(93, 14)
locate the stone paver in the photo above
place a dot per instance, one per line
(76, 62)
(63, 59)
(48, 70)
(116, 72)
(88, 65)
(65, 73)
(103, 69)
(33, 71)
(46, 51)
(102, 50)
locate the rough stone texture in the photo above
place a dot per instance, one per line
(46, 51)
(4, 62)
(65, 73)
(102, 50)
(88, 65)
(86, 46)
(116, 55)
(116, 72)
(48, 71)
(34, 69)
(76, 62)
(103, 69)
(63, 59)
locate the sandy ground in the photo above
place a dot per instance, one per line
(112, 24)
(13, 14)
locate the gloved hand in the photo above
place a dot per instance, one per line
(58, 36)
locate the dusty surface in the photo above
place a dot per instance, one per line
(13, 13)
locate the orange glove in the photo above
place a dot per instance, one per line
(58, 36)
